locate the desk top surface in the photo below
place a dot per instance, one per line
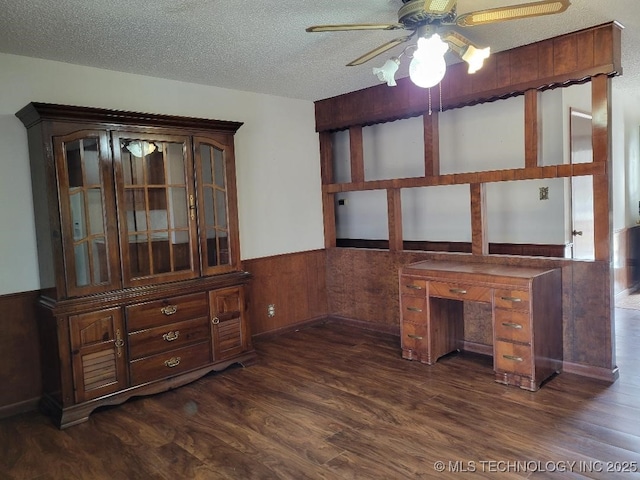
(462, 270)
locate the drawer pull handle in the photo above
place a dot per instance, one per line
(511, 299)
(415, 337)
(169, 309)
(512, 325)
(513, 358)
(171, 336)
(414, 309)
(172, 362)
(460, 291)
(414, 287)
(215, 320)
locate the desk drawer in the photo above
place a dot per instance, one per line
(415, 287)
(414, 309)
(512, 299)
(414, 338)
(512, 357)
(512, 325)
(143, 343)
(164, 312)
(459, 291)
(170, 363)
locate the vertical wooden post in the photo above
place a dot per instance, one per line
(531, 129)
(394, 214)
(431, 145)
(328, 199)
(479, 242)
(357, 154)
(601, 138)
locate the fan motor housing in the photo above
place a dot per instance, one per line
(412, 15)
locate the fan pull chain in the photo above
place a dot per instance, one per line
(440, 87)
(429, 100)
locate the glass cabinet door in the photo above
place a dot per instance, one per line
(87, 202)
(157, 207)
(217, 206)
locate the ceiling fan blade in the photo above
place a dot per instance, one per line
(512, 12)
(439, 6)
(354, 26)
(377, 51)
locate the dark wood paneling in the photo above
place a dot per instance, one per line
(20, 365)
(556, 61)
(363, 285)
(294, 283)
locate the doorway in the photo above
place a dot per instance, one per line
(581, 151)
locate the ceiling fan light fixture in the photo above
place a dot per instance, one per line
(427, 68)
(387, 73)
(475, 57)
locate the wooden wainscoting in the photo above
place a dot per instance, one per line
(20, 361)
(362, 285)
(295, 284)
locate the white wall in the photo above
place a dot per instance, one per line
(277, 154)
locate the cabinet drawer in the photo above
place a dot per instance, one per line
(512, 325)
(415, 287)
(164, 312)
(512, 357)
(414, 309)
(143, 343)
(170, 363)
(460, 292)
(513, 299)
(414, 337)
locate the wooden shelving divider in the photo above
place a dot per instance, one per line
(592, 55)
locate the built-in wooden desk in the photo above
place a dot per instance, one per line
(526, 307)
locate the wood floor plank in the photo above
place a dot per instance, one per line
(337, 402)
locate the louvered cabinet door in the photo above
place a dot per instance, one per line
(98, 353)
(230, 336)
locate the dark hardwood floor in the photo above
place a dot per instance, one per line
(335, 402)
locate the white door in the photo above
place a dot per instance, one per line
(581, 188)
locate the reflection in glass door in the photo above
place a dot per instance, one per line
(159, 205)
(85, 186)
(215, 241)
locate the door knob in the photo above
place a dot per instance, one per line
(576, 232)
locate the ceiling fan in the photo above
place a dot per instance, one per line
(431, 22)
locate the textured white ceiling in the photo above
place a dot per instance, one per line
(261, 45)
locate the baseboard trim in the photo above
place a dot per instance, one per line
(290, 328)
(375, 327)
(25, 406)
(598, 373)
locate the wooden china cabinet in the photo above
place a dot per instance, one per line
(138, 249)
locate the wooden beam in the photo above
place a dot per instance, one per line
(431, 144)
(356, 154)
(601, 138)
(531, 129)
(326, 157)
(479, 239)
(534, 173)
(394, 215)
(328, 199)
